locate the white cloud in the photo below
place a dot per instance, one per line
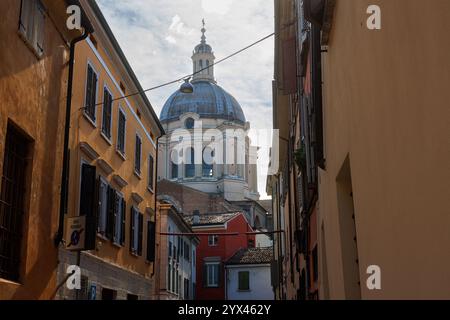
(217, 6)
(171, 40)
(158, 38)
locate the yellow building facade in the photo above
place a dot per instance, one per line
(113, 161)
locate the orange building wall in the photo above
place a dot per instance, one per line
(32, 95)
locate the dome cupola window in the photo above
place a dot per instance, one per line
(189, 123)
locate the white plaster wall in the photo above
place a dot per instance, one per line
(260, 286)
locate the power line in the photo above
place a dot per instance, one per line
(192, 74)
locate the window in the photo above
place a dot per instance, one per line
(169, 276)
(174, 164)
(189, 123)
(151, 174)
(107, 112)
(213, 240)
(244, 281)
(201, 66)
(121, 132)
(102, 206)
(186, 289)
(211, 274)
(207, 166)
(119, 229)
(108, 294)
(91, 93)
(115, 215)
(88, 203)
(32, 25)
(136, 231)
(187, 252)
(190, 166)
(150, 241)
(12, 202)
(137, 155)
(207, 65)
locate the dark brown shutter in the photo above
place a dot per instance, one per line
(87, 198)
(40, 28)
(132, 227)
(116, 237)
(150, 172)
(90, 72)
(151, 241)
(141, 231)
(123, 216)
(87, 203)
(110, 213)
(289, 66)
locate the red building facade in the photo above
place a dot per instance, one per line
(221, 236)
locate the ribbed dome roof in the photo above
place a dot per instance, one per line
(208, 100)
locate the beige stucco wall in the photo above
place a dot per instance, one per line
(386, 106)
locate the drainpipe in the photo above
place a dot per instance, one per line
(66, 156)
(156, 199)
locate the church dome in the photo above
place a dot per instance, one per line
(208, 100)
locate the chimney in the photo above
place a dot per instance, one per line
(196, 217)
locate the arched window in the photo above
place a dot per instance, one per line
(207, 166)
(207, 65)
(174, 164)
(189, 123)
(190, 163)
(195, 66)
(201, 66)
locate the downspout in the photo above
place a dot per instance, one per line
(156, 199)
(66, 153)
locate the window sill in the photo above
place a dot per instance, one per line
(9, 282)
(117, 245)
(121, 155)
(30, 46)
(138, 175)
(244, 290)
(89, 119)
(108, 140)
(102, 237)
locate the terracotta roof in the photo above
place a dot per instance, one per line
(252, 256)
(211, 219)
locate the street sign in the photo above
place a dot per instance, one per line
(76, 233)
(92, 292)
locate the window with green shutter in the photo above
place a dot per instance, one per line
(244, 281)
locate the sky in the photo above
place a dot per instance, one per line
(158, 37)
